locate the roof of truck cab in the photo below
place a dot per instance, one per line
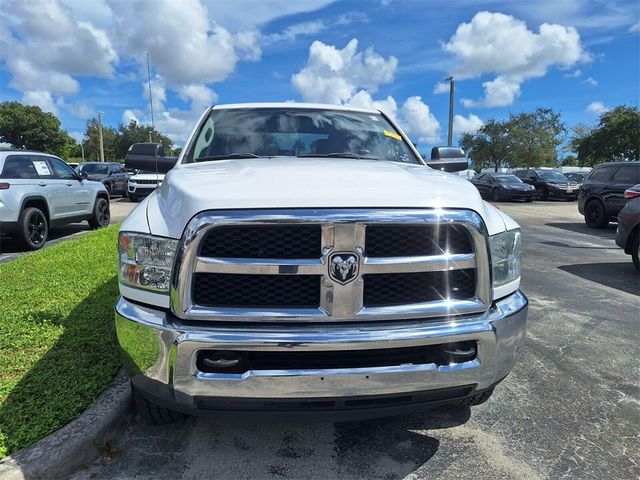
(290, 105)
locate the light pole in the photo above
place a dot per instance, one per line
(451, 92)
(100, 136)
(82, 149)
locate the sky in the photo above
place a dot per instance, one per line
(77, 57)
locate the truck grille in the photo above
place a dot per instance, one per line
(406, 288)
(263, 241)
(281, 265)
(147, 182)
(416, 240)
(223, 290)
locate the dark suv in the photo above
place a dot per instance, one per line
(601, 196)
(549, 184)
(113, 174)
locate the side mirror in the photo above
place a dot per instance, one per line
(448, 159)
(82, 175)
(148, 156)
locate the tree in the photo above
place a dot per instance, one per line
(616, 138)
(92, 142)
(534, 138)
(487, 146)
(136, 133)
(569, 161)
(27, 126)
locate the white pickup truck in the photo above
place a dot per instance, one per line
(304, 260)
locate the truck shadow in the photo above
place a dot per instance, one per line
(620, 275)
(211, 447)
(77, 367)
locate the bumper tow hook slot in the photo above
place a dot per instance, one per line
(461, 354)
(221, 362)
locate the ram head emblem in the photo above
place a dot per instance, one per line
(343, 267)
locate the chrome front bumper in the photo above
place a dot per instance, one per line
(160, 354)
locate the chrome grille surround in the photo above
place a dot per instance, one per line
(342, 230)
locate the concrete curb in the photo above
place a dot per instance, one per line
(75, 445)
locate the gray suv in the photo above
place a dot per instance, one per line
(40, 191)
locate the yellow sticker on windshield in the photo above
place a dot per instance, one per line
(392, 135)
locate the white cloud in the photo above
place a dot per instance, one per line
(173, 122)
(363, 99)
(42, 99)
(440, 88)
(332, 75)
(298, 29)
(494, 43)
(314, 27)
(44, 46)
(349, 76)
(417, 121)
(634, 28)
(498, 92)
(591, 81)
(184, 45)
(251, 14)
(574, 74)
(597, 108)
(462, 124)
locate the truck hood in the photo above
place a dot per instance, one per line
(307, 183)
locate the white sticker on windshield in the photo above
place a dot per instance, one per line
(42, 168)
(374, 118)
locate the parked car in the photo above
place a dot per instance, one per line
(549, 184)
(292, 261)
(578, 177)
(73, 165)
(142, 183)
(602, 194)
(628, 233)
(503, 186)
(40, 191)
(113, 174)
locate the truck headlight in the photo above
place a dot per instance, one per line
(506, 257)
(146, 261)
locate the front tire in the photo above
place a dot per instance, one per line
(101, 214)
(635, 253)
(595, 215)
(154, 414)
(542, 193)
(34, 228)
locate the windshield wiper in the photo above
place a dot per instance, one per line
(227, 156)
(337, 155)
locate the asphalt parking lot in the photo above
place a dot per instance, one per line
(11, 249)
(570, 408)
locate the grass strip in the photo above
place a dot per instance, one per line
(58, 346)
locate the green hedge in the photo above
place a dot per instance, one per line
(58, 347)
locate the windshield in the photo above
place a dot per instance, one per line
(95, 168)
(275, 132)
(508, 179)
(552, 176)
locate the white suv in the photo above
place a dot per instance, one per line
(39, 191)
